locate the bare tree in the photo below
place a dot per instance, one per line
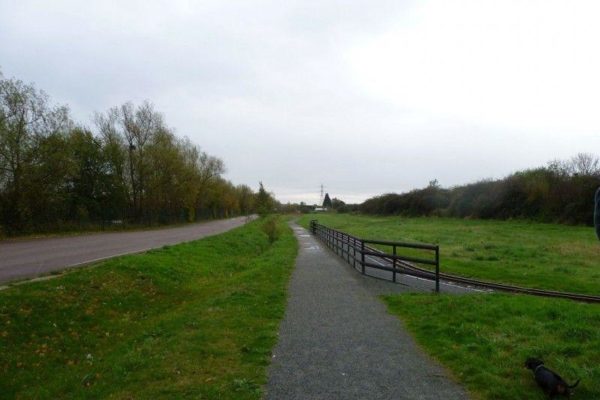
(585, 164)
(138, 125)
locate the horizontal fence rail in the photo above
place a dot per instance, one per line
(362, 254)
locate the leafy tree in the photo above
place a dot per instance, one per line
(265, 203)
(327, 201)
(166, 178)
(560, 192)
(246, 199)
(337, 203)
(26, 122)
(139, 126)
(54, 173)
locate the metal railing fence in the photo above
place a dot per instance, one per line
(361, 254)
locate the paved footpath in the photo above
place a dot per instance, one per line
(337, 340)
(21, 259)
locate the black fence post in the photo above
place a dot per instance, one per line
(354, 252)
(394, 265)
(362, 255)
(348, 249)
(332, 239)
(437, 269)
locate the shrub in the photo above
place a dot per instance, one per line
(271, 229)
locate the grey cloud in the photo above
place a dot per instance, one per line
(262, 84)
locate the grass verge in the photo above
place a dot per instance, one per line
(196, 320)
(485, 339)
(544, 256)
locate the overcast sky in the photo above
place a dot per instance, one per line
(365, 97)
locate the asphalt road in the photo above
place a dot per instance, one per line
(22, 259)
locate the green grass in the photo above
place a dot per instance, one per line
(485, 339)
(547, 256)
(196, 320)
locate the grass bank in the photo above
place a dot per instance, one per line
(485, 339)
(546, 256)
(196, 320)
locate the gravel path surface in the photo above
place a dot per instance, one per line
(337, 340)
(21, 259)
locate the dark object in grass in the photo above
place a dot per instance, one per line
(597, 212)
(548, 380)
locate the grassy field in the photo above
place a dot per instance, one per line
(485, 339)
(547, 256)
(196, 320)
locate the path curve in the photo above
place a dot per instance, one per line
(31, 258)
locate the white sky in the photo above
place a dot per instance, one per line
(366, 97)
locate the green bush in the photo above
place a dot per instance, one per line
(542, 194)
(270, 228)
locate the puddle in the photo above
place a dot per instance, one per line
(312, 248)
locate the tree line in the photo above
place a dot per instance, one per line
(56, 174)
(562, 191)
